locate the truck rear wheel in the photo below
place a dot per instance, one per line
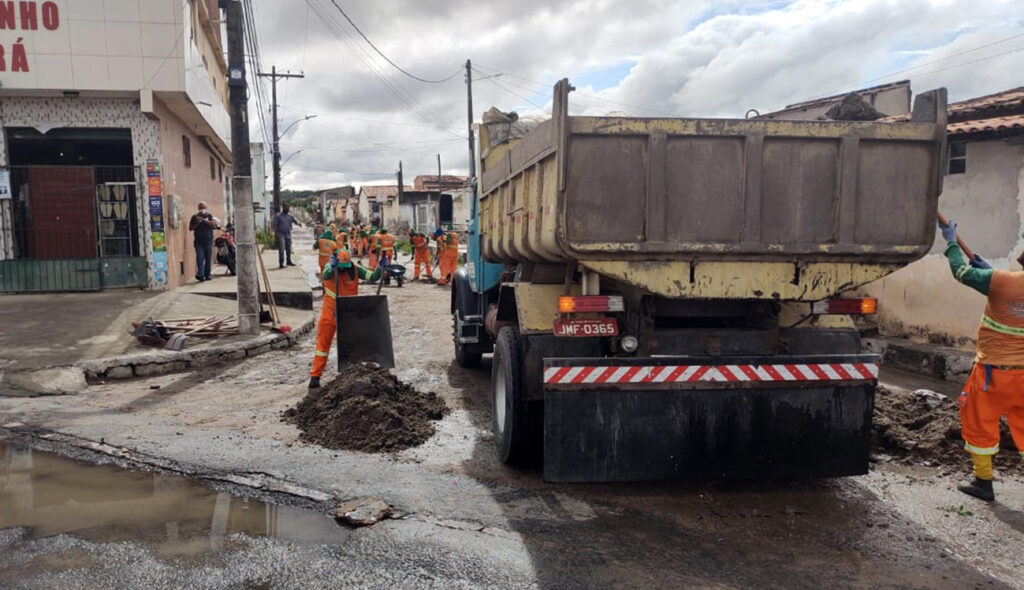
(510, 410)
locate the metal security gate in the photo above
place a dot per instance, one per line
(72, 228)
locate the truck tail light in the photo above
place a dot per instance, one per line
(590, 303)
(849, 306)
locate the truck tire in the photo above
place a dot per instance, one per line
(465, 358)
(509, 407)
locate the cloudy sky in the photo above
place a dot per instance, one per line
(643, 57)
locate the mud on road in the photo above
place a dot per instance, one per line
(890, 529)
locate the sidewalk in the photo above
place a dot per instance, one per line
(90, 333)
(931, 360)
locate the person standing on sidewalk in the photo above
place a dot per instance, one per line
(202, 225)
(341, 279)
(283, 223)
(995, 387)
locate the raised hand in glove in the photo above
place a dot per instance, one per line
(948, 231)
(979, 262)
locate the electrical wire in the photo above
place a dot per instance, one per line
(386, 58)
(393, 90)
(575, 93)
(492, 80)
(928, 63)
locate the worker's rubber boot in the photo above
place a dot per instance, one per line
(979, 488)
(314, 382)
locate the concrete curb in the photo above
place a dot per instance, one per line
(930, 360)
(164, 361)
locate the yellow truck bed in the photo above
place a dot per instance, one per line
(718, 208)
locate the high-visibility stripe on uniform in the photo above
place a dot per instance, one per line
(329, 293)
(321, 353)
(981, 450)
(1000, 327)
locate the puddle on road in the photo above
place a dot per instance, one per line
(49, 495)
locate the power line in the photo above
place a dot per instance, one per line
(347, 118)
(389, 87)
(386, 58)
(514, 93)
(926, 64)
(575, 93)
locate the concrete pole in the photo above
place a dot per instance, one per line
(241, 181)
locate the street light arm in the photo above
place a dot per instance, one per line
(294, 123)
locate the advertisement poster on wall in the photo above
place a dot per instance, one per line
(156, 221)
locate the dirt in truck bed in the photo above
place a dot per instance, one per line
(923, 428)
(366, 408)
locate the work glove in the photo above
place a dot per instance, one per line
(375, 276)
(948, 231)
(980, 262)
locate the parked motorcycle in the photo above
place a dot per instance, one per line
(225, 245)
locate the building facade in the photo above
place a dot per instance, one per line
(114, 126)
(983, 191)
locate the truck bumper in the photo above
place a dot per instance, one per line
(707, 418)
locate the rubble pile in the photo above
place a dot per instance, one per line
(922, 427)
(366, 408)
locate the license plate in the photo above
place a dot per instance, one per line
(586, 328)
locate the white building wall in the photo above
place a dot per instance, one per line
(923, 300)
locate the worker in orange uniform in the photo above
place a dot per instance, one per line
(374, 246)
(363, 246)
(447, 254)
(341, 279)
(421, 253)
(387, 246)
(353, 239)
(995, 387)
(325, 247)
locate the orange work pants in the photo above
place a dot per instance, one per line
(984, 400)
(422, 256)
(363, 246)
(373, 261)
(326, 328)
(449, 262)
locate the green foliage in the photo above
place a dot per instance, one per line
(266, 239)
(958, 510)
(404, 246)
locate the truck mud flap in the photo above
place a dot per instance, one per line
(364, 331)
(609, 420)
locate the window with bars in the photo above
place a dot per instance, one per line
(957, 157)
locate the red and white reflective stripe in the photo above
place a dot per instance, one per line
(711, 373)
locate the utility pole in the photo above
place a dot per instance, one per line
(469, 113)
(439, 189)
(401, 188)
(274, 76)
(241, 181)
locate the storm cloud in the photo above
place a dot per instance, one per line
(643, 58)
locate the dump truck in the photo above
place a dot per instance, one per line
(665, 297)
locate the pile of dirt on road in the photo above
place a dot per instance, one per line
(366, 408)
(923, 428)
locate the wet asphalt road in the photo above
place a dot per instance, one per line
(468, 521)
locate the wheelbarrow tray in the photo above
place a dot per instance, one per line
(364, 331)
